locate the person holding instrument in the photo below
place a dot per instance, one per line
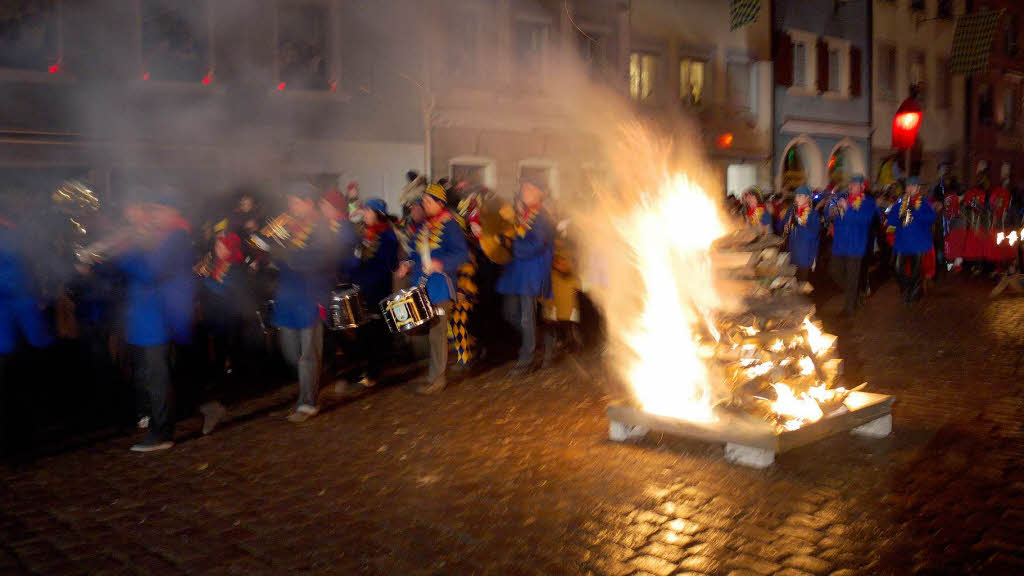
(436, 252)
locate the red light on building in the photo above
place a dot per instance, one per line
(54, 68)
(724, 141)
(145, 76)
(905, 124)
(207, 79)
(281, 86)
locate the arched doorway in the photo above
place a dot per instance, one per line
(845, 162)
(801, 164)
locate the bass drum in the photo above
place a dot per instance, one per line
(407, 310)
(345, 310)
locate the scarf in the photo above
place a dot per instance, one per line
(371, 239)
(855, 200)
(754, 215)
(802, 212)
(432, 229)
(524, 219)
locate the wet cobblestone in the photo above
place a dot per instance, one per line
(517, 477)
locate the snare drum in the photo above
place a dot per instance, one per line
(408, 310)
(345, 310)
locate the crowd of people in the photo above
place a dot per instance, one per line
(866, 235)
(187, 301)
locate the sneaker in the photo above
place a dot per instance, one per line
(303, 413)
(143, 423)
(213, 413)
(151, 446)
(432, 388)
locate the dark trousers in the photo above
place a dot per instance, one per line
(373, 343)
(908, 270)
(521, 313)
(845, 272)
(152, 375)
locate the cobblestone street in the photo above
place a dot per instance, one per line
(504, 477)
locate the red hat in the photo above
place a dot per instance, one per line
(353, 185)
(233, 243)
(334, 198)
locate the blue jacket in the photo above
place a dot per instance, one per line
(19, 309)
(303, 280)
(447, 244)
(803, 240)
(376, 265)
(852, 228)
(529, 271)
(916, 238)
(344, 249)
(160, 292)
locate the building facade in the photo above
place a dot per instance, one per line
(210, 95)
(912, 43)
(995, 127)
(822, 103)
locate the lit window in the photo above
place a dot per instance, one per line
(691, 82)
(643, 69)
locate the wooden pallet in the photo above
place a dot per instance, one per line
(753, 442)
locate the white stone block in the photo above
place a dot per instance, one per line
(749, 456)
(879, 428)
(622, 432)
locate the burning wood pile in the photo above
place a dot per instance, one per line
(776, 363)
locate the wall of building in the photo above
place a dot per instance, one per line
(921, 32)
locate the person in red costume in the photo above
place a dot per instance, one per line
(999, 254)
(973, 209)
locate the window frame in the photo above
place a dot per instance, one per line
(912, 54)
(653, 96)
(43, 76)
(890, 76)
(842, 49)
(333, 53)
(944, 81)
(542, 163)
(809, 41)
(490, 168)
(545, 48)
(751, 96)
(143, 72)
(683, 96)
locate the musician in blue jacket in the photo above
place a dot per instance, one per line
(377, 260)
(441, 236)
(527, 276)
(801, 230)
(852, 215)
(20, 319)
(912, 217)
(303, 257)
(157, 267)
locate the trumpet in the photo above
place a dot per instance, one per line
(275, 230)
(906, 214)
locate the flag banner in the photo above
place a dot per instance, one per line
(743, 12)
(972, 42)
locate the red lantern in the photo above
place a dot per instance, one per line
(906, 124)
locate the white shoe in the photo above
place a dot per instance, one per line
(213, 413)
(143, 423)
(303, 413)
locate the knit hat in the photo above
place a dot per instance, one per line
(756, 193)
(857, 179)
(802, 191)
(436, 191)
(913, 181)
(377, 205)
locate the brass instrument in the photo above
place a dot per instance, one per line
(204, 267)
(109, 247)
(496, 222)
(275, 230)
(906, 213)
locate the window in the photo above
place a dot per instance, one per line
(1009, 105)
(800, 65)
(887, 71)
(542, 172)
(643, 72)
(175, 40)
(29, 35)
(944, 95)
(475, 170)
(917, 75)
(591, 49)
(1010, 26)
(691, 81)
(985, 112)
(945, 9)
(835, 62)
(738, 80)
(462, 40)
(302, 45)
(530, 42)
